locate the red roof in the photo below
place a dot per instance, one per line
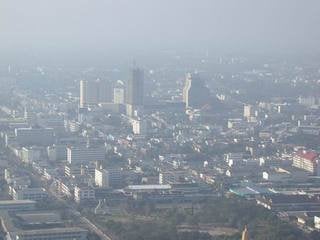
(309, 155)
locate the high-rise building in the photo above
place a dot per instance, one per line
(88, 93)
(135, 88)
(195, 93)
(118, 95)
(94, 92)
(105, 91)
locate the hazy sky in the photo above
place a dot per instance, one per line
(110, 25)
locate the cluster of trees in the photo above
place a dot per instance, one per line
(228, 212)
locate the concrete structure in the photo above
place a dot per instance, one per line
(57, 153)
(88, 93)
(248, 111)
(108, 178)
(34, 136)
(30, 154)
(171, 177)
(94, 92)
(105, 91)
(135, 88)
(82, 154)
(83, 193)
(68, 233)
(139, 126)
(119, 95)
(195, 93)
(36, 194)
(306, 160)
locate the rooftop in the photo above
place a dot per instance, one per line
(149, 187)
(309, 155)
(6, 202)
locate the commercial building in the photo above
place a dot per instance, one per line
(135, 88)
(108, 178)
(77, 155)
(34, 136)
(94, 92)
(282, 202)
(119, 95)
(88, 93)
(72, 170)
(57, 153)
(195, 93)
(36, 194)
(38, 226)
(171, 177)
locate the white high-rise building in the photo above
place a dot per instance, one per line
(88, 93)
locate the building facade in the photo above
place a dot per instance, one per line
(195, 93)
(307, 160)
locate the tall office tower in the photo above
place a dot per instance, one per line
(94, 92)
(105, 91)
(119, 93)
(135, 87)
(195, 93)
(88, 93)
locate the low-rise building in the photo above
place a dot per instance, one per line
(306, 160)
(38, 226)
(36, 194)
